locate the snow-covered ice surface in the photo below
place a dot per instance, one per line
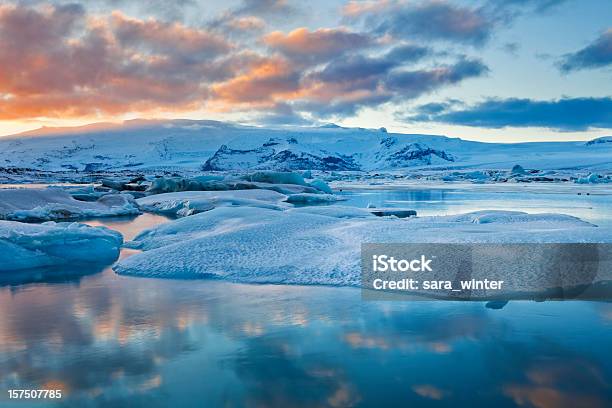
(192, 202)
(26, 246)
(56, 204)
(305, 246)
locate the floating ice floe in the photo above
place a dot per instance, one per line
(594, 178)
(55, 204)
(24, 246)
(186, 203)
(297, 246)
(321, 185)
(220, 183)
(309, 198)
(500, 217)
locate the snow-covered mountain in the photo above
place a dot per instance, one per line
(210, 145)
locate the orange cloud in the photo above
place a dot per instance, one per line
(355, 9)
(59, 63)
(270, 79)
(317, 45)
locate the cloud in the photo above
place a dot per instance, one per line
(161, 9)
(265, 7)
(357, 8)
(282, 114)
(64, 63)
(265, 81)
(595, 55)
(433, 20)
(67, 63)
(566, 114)
(246, 24)
(412, 84)
(251, 15)
(167, 38)
(538, 6)
(349, 84)
(315, 46)
(353, 68)
(407, 54)
(442, 20)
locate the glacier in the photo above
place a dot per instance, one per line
(25, 246)
(190, 146)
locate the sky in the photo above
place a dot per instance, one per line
(488, 70)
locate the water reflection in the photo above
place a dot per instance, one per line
(48, 275)
(125, 341)
(129, 226)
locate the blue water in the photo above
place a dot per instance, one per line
(115, 341)
(594, 208)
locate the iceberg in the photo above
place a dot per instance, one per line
(187, 203)
(593, 178)
(310, 198)
(25, 246)
(301, 246)
(220, 183)
(55, 204)
(321, 185)
(276, 177)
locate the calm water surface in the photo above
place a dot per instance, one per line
(113, 341)
(595, 208)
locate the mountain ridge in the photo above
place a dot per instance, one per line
(221, 146)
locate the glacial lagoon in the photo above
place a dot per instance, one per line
(111, 340)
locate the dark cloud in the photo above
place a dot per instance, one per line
(353, 68)
(343, 106)
(167, 38)
(442, 20)
(265, 7)
(282, 114)
(535, 5)
(356, 67)
(407, 54)
(411, 84)
(511, 48)
(347, 85)
(595, 55)
(162, 9)
(436, 20)
(567, 114)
